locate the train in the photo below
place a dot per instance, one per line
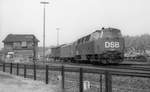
(103, 46)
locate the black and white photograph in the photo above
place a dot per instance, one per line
(74, 46)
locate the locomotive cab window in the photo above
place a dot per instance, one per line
(95, 35)
(79, 41)
(84, 39)
(87, 38)
(109, 33)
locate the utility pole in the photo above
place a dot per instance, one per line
(57, 35)
(34, 50)
(44, 4)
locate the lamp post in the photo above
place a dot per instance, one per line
(57, 35)
(44, 4)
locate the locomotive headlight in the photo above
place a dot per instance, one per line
(112, 49)
(112, 45)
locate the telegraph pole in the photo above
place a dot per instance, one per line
(57, 35)
(44, 4)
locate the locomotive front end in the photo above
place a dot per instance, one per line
(113, 46)
(113, 50)
(110, 47)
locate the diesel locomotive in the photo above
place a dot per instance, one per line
(104, 46)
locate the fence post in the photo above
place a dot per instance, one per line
(108, 82)
(10, 68)
(25, 72)
(46, 74)
(62, 80)
(101, 82)
(34, 70)
(81, 80)
(4, 67)
(17, 69)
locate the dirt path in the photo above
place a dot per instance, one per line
(11, 83)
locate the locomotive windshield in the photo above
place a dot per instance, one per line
(109, 33)
(94, 36)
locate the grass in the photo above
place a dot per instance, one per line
(119, 83)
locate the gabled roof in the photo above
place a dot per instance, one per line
(20, 37)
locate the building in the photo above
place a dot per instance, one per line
(20, 47)
(2, 55)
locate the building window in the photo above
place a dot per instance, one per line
(24, 44)
(16, 44)
(30, 44)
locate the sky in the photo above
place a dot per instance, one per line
(74, 18)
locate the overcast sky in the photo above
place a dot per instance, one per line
(75, 18)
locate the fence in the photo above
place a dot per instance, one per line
(107, 72)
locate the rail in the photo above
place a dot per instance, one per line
(107, 72)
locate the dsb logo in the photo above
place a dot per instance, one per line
(112, 45)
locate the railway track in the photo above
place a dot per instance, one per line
(141, 67)
(129, 66)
